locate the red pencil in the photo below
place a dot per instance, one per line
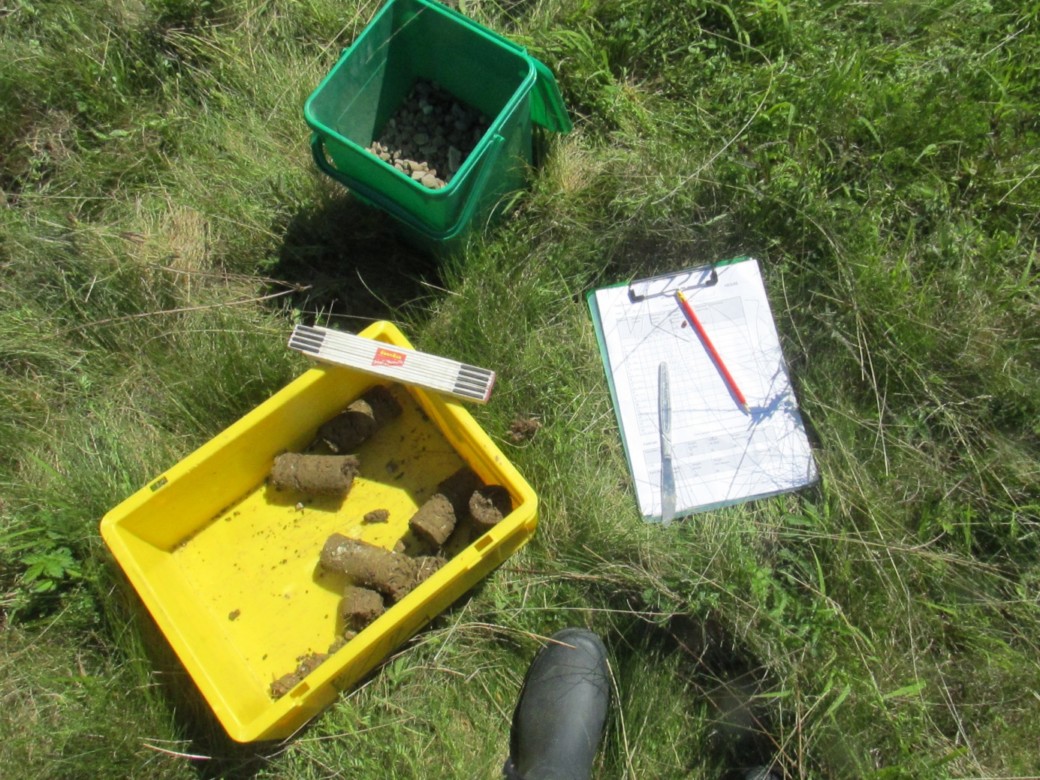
(702, 334)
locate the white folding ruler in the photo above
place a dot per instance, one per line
(387, 360)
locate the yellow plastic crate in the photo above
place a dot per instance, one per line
(229, 567)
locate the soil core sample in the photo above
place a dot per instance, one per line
(359, 607)
(488, 505)
(320, 475)
(434, 521)
(370, 566)
(458, 488)
(354, 425)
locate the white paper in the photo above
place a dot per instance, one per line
(722, 455)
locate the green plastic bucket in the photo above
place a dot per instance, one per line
(411, 40)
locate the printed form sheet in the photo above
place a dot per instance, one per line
(721, 454)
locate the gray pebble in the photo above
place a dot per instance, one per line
(430, 131)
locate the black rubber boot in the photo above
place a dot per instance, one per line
(559, 717)
(762, 773)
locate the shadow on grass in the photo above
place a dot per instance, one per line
(733, 681)
(350, 262)
(662, 248)
(722, 678)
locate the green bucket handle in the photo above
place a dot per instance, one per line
(379, 199)
(481, 29)
(547, 109)
(547, 106)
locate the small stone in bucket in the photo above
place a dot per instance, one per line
(430, 135)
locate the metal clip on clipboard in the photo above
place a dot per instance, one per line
(669, 284)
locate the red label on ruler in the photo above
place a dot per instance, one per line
(388, 357)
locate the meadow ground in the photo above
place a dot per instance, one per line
(162, 227)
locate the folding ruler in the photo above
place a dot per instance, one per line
(402, 365)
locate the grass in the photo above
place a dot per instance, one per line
(162, 227)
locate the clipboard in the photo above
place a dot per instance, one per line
(720, 454)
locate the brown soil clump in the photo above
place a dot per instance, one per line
(523, 429)
(359, 607)
(376, 516)
(427, 566)
(488, 505)
(354, 425)
(307, 664)
(458, 488)
(434, 521)
(370, 566)
(323, 475)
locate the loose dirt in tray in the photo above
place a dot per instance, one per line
(307, 664)
(430, 136)
(376, 516)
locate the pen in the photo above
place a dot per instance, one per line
(702, 334)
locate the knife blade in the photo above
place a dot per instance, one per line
(664, 421)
